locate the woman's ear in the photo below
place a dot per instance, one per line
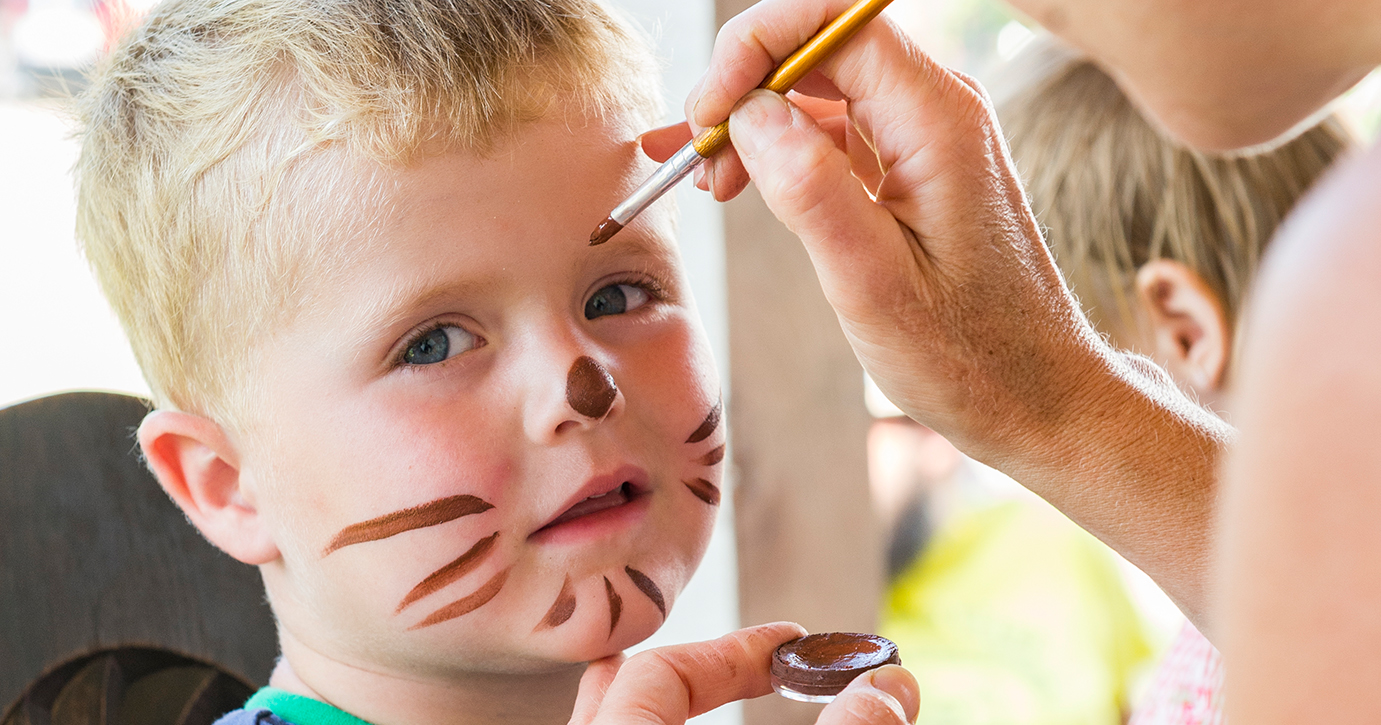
(196, 463)
(1188, 327)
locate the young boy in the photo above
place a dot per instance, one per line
(1161, 244)
(347, 240)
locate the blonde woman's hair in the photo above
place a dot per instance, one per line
(219, 138)
(1114, 193)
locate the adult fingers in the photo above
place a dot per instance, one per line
(748, 47)
(665, 686)
(660, 143)
(807, 182)
(885, 696)
(594, 684)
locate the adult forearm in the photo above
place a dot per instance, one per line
(1135, 462)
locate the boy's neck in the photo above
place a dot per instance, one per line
(384, 699)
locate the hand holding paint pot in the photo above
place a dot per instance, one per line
(893, 172)
(668, 685)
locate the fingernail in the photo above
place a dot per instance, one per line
(758, 121)
(900, 684)
(698, 176)
(695, 93)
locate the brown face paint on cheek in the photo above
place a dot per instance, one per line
(590, 389)
(615, 605)
(417, 517)
(562, 609)
(704, 490)
(648, 587)
(709, 425)
(469, 604)
(452, 572)
(713, 457)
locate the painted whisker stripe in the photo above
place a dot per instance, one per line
(562, 609)
(417, 517)
(704, 490)
(469, 604)
(712, 458)
(615, 605)
(453, 571)
(709, 425)
(648, 587)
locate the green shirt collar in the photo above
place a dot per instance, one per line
(299, 709)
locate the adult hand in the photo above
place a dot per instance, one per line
(917, 225)
(668, 685)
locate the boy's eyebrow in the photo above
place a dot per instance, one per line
(417, 517)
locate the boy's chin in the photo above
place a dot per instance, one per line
(585, 639)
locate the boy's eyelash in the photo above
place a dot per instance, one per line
(415, 337)
(646, 282)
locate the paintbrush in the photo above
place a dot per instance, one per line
(711, 140)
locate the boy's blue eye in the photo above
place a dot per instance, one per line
(615, 299)
(438, 344)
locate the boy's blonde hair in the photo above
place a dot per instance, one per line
(216, 140)
(1113, 193)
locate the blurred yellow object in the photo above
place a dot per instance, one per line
(1013, 615)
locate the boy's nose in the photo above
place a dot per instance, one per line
(591, 395)
(590, 389)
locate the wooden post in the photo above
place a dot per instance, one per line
(808, 547)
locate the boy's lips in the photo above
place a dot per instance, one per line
(602, 497)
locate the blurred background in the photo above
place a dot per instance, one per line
(836, 499)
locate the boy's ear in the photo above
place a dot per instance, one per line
(1188, 327)
(196, 463)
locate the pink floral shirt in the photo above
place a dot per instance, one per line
(1188, 687)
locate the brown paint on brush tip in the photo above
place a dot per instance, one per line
(452, 572)
(648, 587)
(562, 609)
(709, 425)
(704, 490)
(464, 606)
(417, 517)
(712, 458)
(615, 605)
(590, 389)
(605, 231)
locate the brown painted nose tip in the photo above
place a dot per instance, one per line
(590, 389)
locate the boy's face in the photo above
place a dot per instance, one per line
(486, 445)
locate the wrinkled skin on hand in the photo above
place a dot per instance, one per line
(904, 196)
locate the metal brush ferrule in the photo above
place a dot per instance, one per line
(662, 180)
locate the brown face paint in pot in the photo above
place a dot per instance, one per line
(817, 667)
(590, 389)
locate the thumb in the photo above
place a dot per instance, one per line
(593, 686)
(856, 245)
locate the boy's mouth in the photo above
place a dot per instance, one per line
(611, 492)
(594, 504)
